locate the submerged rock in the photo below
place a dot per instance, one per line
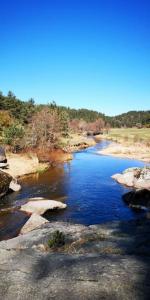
(41, 205)
(135, 177)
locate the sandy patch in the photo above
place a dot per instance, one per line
(137, 151)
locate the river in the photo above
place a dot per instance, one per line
(84, 184)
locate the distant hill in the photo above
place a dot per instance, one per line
(131, 119)
(23, 111)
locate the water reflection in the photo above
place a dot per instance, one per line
(86, 186)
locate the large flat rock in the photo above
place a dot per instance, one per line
(41, 205)
(57, 276)
(29, 272)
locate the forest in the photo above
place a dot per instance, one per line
(25, 124)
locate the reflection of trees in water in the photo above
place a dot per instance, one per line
(52, 175)
(51, 184)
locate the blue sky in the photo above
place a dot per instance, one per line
(92, 54)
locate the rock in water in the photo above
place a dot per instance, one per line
(7, 183)
(34, 222)
(135, 177)
(139, 198)
(14, 186)
(5, 180)
(41, 205)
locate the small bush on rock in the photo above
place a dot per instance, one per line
(57, 239)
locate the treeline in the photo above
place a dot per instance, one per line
(84, 114)
(23, 111)
(18, 109)
(26, 124)
(137, 119)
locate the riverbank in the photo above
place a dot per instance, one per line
(77, 142)
(125, 150)
(22, 164)
(129, 143)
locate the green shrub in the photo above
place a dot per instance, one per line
(13, 134)
(56, 240)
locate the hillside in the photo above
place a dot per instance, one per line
(23, 111)
(130, 119)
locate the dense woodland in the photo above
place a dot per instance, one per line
(29, 125)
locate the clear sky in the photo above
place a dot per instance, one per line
(89, 53)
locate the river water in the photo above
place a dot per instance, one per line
(84, 184)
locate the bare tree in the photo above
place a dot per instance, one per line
(45, 129)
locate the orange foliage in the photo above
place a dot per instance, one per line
(5, 119)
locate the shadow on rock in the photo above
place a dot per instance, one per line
(137, 198)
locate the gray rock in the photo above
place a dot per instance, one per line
(5, 180)
(14, 186)
(41, 205)
(34, 222)
(29, 271)
(7, 183)
(134, 177)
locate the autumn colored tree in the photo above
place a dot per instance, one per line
(45, 128)
(5, 119)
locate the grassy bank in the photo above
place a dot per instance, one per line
(130, 135)
(130, 143)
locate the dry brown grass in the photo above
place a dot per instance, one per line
(130, 135)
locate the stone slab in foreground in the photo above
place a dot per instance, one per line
(92, 271)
